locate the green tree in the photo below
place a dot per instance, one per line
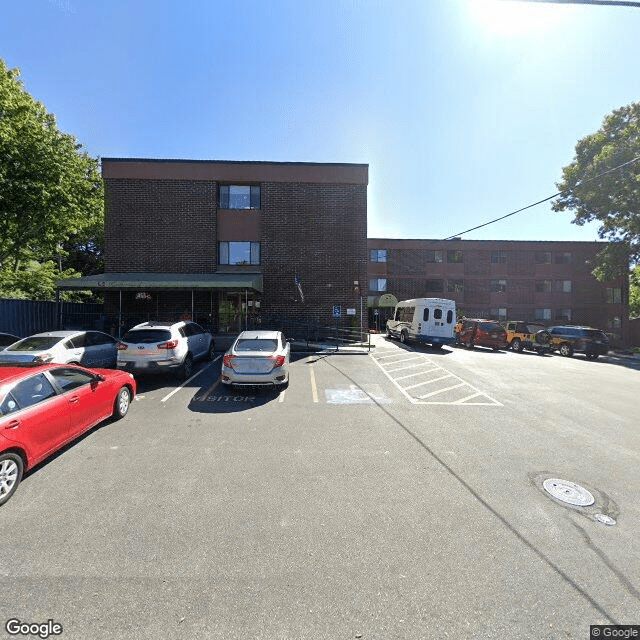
(51, 197)
(595, 192)
(634, 292)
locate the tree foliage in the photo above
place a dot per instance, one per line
(593, 192)
(634, 292)
(51, 197)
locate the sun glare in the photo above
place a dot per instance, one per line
(506, 17)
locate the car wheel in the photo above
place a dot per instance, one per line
(11, 467)
(187, 367)
(516, 345)
(566, 350)
(212, 351)
(470, 344)
(121, 405)
(403, 337)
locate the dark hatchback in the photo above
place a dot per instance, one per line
(483, 333)
(570, 340)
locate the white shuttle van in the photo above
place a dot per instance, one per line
(428, 320)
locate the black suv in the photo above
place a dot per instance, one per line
(570, 340)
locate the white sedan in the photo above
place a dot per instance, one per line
(257, 358)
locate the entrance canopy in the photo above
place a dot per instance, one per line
(124, 281)
(386, 300)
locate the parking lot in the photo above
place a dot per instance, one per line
(391, 494)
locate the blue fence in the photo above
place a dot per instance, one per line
(26, 317)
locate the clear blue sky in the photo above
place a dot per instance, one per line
(464, 109)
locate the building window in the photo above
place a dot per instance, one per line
(434, 286)
(239, 253)
(454, 255)
(433, 256)
(614, 323)
(498, 314)
(499, 257)
(455, 286)
(563, 314)
(614, 295)
(378, 255)
(563, 286)
(232, 196)
(498, 286)
(563, 257)
(543, 257)
(543, 286)
(378, 284)
(542, 314)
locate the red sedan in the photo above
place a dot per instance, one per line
(43, 407)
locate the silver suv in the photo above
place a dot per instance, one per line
(157, 347)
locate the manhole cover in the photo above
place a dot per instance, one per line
(568, 492)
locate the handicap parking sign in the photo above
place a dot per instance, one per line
(337, 311)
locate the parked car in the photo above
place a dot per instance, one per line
(45, 406)
(88, 348)
(6, 339)
(483, 333)
(162, 347)
(570, 340)
(257, 358)
(526, 336)
(427, 320)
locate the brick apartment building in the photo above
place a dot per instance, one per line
(232, 244)
(550, 282)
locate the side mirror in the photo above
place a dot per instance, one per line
(99, 377)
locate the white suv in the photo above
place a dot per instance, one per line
(157, 347)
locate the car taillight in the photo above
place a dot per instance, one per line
(228, 361)
(279, 361)
(170, 344)
(122, 346)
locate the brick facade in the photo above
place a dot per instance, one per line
(163, 217)
(550, 282)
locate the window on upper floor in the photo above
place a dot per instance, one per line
(454, 255)
(563, 286)
(433, 256)
(614, 295)
(498, 314)
(378, 255)
(232, 196)
(543, 286)
(378, 284)
(563, 257)
(239, 253)
(498, 286)
(455, 286)
(563, 315)
(434, 286)
(499, 257)
(542, 314)
(543, 257)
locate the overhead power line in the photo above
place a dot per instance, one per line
(555, 195)
(619, 3)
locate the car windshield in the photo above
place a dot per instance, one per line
(594, 333)
(491, 326)
(257, 344)
(35, 343)
(147, 336)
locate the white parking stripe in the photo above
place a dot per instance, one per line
(413, 366)
(405, 360)
(413, 386)
(413, 375)
(195, 375)
(434, 393)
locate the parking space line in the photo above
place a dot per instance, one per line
(395, 354)
(435, 393)
(186, 382)
(413, 375)
(314, 389)
(463, 400)
(413, 386)
(413, 366)
(281, 395)
(418, 357)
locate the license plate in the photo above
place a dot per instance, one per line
(141, 365)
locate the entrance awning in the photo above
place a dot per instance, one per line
(122, 281)
(386, 300)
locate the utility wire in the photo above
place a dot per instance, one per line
(614, 3)
(555, 195)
